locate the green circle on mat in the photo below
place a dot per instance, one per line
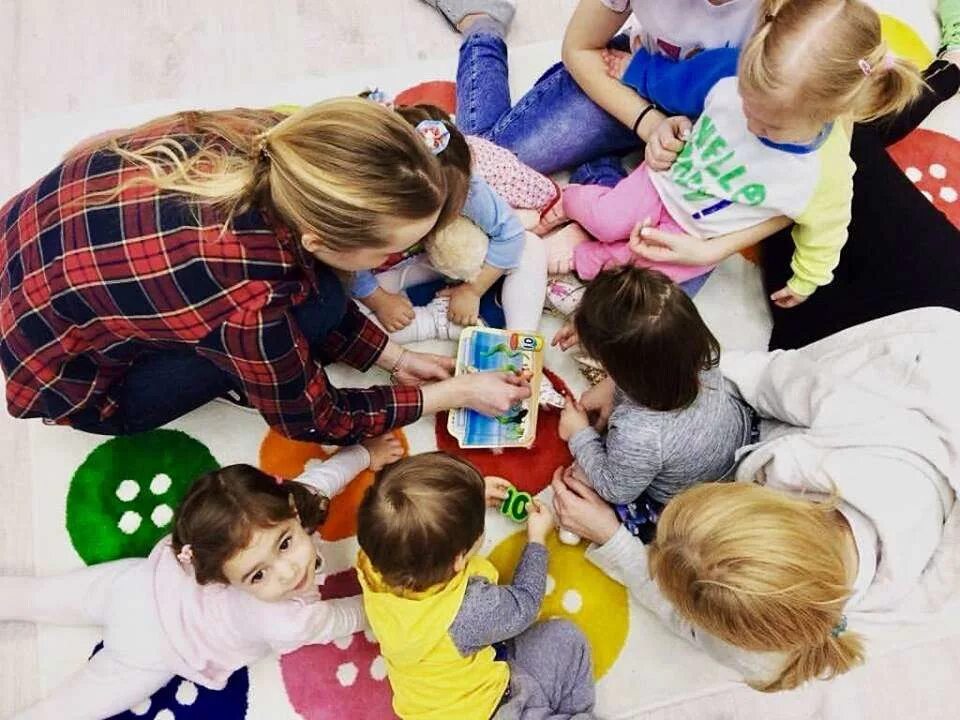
(122, 497)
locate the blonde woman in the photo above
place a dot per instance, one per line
(199, 256)
(857, 471)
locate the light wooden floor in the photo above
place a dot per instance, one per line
(61, 56)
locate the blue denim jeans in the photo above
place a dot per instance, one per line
(554, 126)
(161, 386)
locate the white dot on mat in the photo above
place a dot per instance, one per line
(127, 490)
(572, 602)
(186, 693)
(142, 708)
(343, 642)
(551, 585)
(129, 522)
(938, 171)
(161, 515)
(948, 194)
(368, 634)
(347, 674)
(165, 715)
(914, 174)
(378, 668)
(927, 195)
(160, 484)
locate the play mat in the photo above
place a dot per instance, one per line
(97, 499)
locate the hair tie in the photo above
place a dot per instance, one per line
(864, 65)
(435, 135)
(278, 480)
(185, 556)
(889, 60)
(840, 627)
(378, 96)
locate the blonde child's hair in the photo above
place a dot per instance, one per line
(338, 169)
(829, 56)
(761, 570)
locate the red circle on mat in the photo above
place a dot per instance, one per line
(441, 93)
(530, 469)
(932, 161)
(342, 679)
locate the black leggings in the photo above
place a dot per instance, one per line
(901, 253)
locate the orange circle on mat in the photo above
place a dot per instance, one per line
(578, 591)
(282, 456)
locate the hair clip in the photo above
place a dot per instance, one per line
(435, 135)
(278, 480)
(840, 627)
(185, 556)
(889, 60)
(378, 96)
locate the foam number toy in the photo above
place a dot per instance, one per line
(514, 505)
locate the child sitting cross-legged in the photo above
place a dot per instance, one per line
(675, 420)
(457, 644)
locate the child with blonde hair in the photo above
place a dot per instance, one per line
(457, 644)
(235, 581)
(512, 252)
(771, 142)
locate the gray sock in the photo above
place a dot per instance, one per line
(455, 10)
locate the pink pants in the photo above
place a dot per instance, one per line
(610, 214)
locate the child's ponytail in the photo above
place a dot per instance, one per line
(890, 84)
(836, 654)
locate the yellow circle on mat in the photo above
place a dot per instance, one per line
(578, 591)
(904, 41)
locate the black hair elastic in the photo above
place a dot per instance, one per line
(641, 116)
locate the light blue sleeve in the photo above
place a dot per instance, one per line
(364, 283)
(497, 219)
(680, 88)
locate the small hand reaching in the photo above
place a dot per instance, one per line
(617, 62)
(495, 490)
(566, 337)
(384, 450)
(666, 142)
(787, 298)
(573, 419)
(539, 522)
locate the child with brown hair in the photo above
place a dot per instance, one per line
(235, 581)
(675, 420)
(512, 252)
(456, 643)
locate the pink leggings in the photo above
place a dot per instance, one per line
(610, 214)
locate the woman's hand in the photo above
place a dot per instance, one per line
(658, 246)
(566, 337)
(617, 62)
(787, 298)
(666, 142)
(598, 401)
(579, 509)
(493, 393)
(417, 368)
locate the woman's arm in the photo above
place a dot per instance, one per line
(590, 29)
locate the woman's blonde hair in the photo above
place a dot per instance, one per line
(761, 570)
(339, 169)
(829, 56)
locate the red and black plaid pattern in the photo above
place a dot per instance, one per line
(85, 288)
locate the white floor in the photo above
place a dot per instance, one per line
(67, 57)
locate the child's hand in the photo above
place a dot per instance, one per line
(616, 61)
(787, 298)
(566, 337)
(464, 303)
(393, 310)
(657, 245)
(495, 490)
(573, 419)
(539, 522)
(666, 142)
(383, 450)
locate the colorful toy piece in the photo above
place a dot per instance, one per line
(514, 505)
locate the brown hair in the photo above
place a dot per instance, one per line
(830, 55)
(418, 516)
(455, 159)
(763, 571)
(337, 169)
(222, 509)
(648, 336)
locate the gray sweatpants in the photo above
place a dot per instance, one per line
(551, 676)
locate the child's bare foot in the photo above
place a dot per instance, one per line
(552, 217)
(560, 247)
(384, 450)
